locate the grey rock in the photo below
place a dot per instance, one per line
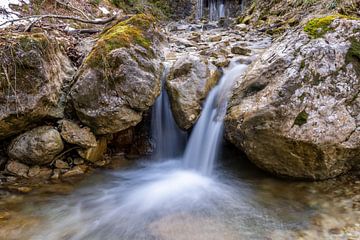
(31, 80)
(111, 93)
(74, 134)
(37, 146)
(189, 81)
(17, 168)
(296, 112)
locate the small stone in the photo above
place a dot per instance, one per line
(24, 189)
(17, 168)
(56, 174)
(215, 38)
(334, 231)
(77, 170)
(34, 171)
(240, 51)
(61, 164)
(96, 153)
(78, 161)
(4, 216)
(242, 27)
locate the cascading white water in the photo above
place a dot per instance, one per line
(199, 9)
(216, 9)
(169, 139)
(206, 137)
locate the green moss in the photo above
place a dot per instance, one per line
(123, 34)
(301, 118)
(318, 27)
(302, 64)
(353, 55)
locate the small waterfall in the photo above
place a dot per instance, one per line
(216, 9)
(203, 146)
(169, 139)
(199, 9)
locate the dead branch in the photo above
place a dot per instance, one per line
(83, 31)
(40, 17)
(70, 6)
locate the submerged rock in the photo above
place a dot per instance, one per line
(38, 146)
(189, 81)
(120, 79)
(74, 134)
(296, 112)
(32, 73)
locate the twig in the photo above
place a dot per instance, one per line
(82, 31)
(69, 5)
(101, 21)
(40, 17)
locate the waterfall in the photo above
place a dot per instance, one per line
(216, 9)
(169, 139)
(199, 9)
(203, 146)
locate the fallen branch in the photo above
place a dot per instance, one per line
(40, 17)
(83, 31)
(70, 6)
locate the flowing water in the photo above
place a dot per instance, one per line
(216, 9)
(169, 139)
(203, 146)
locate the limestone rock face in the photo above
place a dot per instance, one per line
(74, 134)
(120, 79)
(296, 112)
(37, 146)
(33, 72)
(189, 81)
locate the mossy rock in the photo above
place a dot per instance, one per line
(318, 27)
(124, 34)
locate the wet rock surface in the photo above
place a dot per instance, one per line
(296, 111)
(188, 83)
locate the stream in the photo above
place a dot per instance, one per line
(202, 189)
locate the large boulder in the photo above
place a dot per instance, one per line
(33, 70)
(189, 81)
(296, 112)
(36, 147)
(120, 79)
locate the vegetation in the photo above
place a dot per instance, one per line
(123, 34)
(301, 118)
(318, 27)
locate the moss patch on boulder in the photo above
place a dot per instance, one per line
(318, 27)
(123, 34)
